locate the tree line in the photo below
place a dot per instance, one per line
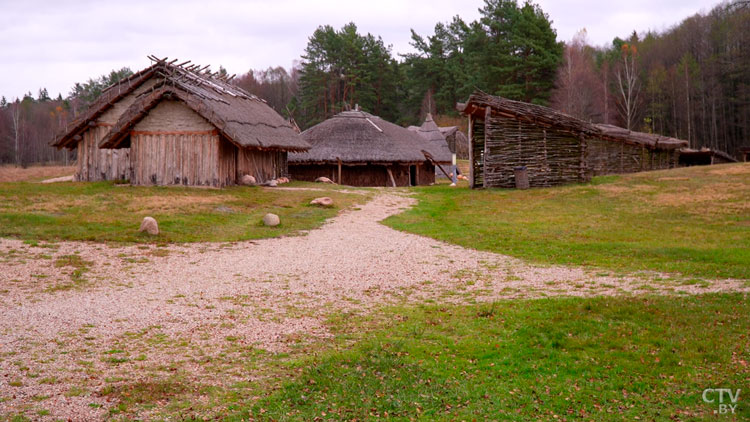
(691, 81)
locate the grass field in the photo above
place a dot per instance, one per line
(644, 358)
(602, 359)
(102, 211)
(694, 221)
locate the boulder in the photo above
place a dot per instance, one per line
(281, 180)
(247, 180)
(271, 220)
(323, 201)
(324, 180)
(271, 183)
(149, 226)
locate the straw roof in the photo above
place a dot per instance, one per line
(242, 118)
(357, 137)
(649, 140)
(431, 133)
(532, 113)
(545, 116)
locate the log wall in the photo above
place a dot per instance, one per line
(101, 164)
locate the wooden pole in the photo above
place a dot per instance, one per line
(390, 174)
(487, 115)
(471, 153)
(339, 178)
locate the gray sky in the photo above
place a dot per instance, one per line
(56, 43)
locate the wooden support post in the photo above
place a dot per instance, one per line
(487, 115)
(390, 174)
(471, 153)
(339, 178)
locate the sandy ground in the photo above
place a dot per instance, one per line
(143, 313)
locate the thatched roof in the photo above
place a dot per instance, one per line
(357, 137)
(242, 118)
(545, 116)
(532, 113)
(448, 130)
(431, 133)
(453, 131)
(649, 140)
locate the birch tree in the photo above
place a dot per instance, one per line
(628, 84)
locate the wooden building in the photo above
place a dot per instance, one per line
(358, 149)
(179, 125)
(555, 148)
(704, 157)
(457, 142)
(617, 150)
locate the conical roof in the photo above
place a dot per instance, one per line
(430, 132)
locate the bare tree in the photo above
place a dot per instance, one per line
(576, 87)
(15, 115)
(628, 84)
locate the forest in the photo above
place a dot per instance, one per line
(691, 81)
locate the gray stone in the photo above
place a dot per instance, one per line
(247, 180)
(271, 220)
(323, 201)
(149, 226)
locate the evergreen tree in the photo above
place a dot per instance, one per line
(521, 54)
(43, 95)
(342, 69)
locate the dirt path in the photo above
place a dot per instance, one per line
(65, 339)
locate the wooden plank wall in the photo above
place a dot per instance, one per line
(426, 173)
(551, 157)
(363, 175)
(101, 164)
(193, 159)
(263, 165)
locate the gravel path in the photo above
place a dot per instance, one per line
(141, 312)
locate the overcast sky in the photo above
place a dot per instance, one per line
(56, 43)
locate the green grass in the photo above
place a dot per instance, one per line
(694, 221)
(101, 211)
(550, 359)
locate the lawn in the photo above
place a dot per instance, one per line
(103, 211)
(556, 359)
(637, 358)
(694, 221)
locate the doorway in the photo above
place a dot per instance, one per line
(412, 175)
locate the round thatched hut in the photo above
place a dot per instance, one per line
(358, 149)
